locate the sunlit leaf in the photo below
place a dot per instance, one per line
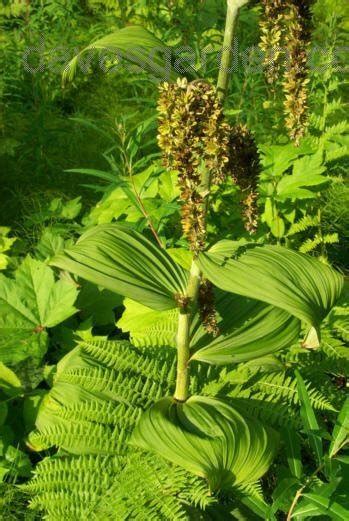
(340, 434)
(263, 333)
(296, 283)
(328, 507)
(29, 304)
(125, 262)
(208, 438)
(310, 422)
(134, 44)
(149, 327)
(10, 384)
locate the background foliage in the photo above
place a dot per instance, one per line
(84, 153)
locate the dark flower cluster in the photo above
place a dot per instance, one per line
(207, 309)
(196, 141)
(271, 27)
(193, 137)
(244, 169)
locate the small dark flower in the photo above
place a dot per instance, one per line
(207, 309)
(244, 169)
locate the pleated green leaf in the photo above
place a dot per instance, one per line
(149, 327)
(125, 262)
(296, 283)
(249, 329)
(208, 438)
(134, 44)
(268, 331)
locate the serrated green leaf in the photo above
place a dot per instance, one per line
(98, 304)
(29, 304)
(49, 245)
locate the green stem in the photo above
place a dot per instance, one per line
(184, 321)
(299, 492)
(233, 7)
(183, 336)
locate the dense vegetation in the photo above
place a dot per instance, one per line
(174, 228)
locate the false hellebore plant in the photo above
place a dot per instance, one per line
(265, 294)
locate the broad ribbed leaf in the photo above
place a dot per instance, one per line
(208, 438)
(293, 451)
(133, 44)
(265, 332)
(149, 327)
(125, 262)
(328, 507)
(248, 329)
(296, 283)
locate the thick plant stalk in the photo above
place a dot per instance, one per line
(233, 7)
(183, 336)
(184, 321)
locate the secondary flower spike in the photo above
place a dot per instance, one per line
(285, 34)
(244, 169)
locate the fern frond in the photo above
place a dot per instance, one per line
(337, 129)
(67, 486)
(334, 105)
(271, 412)
(80, 438)
(338, 324)
(336, 153)
(112, 385)
(253, 490)
(147, 327)
(283, 387)
(97, 411)
(124, 357)
(311, 244)
(333, 347)
(100, 390)
(107, 487)
(308, 221)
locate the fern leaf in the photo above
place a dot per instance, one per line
(308, 221)
(285, 387)
(311, 244)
